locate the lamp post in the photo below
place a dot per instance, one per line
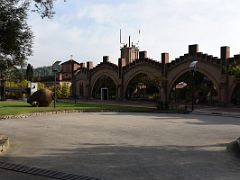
(175, 95)
(55, 68)
(193, 66)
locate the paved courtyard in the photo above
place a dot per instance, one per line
(124, 145)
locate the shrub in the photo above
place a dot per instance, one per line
(62, 90)
(41, 86)
(65, 90)
(16, 95)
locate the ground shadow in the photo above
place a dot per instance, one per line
(115, 162)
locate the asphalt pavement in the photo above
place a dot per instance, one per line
(122, 146)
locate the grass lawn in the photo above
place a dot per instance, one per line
(20, 107)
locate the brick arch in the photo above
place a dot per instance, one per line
(104, 70)
(147, 69)
(212, 71)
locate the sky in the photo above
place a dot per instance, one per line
(87, 30)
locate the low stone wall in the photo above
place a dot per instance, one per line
(4, 143)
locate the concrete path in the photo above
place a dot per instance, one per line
(122, 146)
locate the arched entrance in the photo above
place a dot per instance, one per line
(204, 90)
(106, 85)
(141, 87)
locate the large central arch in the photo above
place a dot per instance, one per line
(211, 71)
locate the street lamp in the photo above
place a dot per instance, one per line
(193, 66)
(56, 67)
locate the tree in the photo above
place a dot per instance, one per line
(43, 7)
(235, 70)
(29, 72)
(62, 90)
(65, 91)
(16, 36)
(43, 71)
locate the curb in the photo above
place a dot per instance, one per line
(19, 116)
(4, 143)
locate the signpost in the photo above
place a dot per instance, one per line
(33, 87)
(56, 68)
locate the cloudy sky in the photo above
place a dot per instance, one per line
(89, 29)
